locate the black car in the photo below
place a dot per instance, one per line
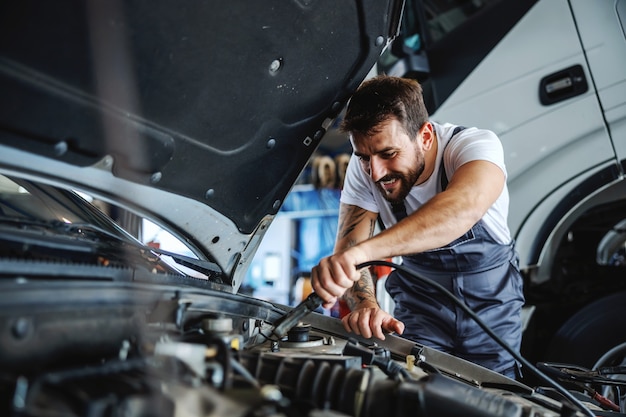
(198, 116)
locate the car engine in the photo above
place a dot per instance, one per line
(105, 349)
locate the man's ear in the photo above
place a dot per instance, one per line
(428, 135)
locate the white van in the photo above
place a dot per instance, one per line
(549, 77)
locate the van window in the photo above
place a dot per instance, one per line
(442, 41)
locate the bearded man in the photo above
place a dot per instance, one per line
(440, 192)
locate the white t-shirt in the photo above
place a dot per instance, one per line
(468, 145)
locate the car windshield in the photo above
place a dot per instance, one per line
(53, 227)
(32, 204)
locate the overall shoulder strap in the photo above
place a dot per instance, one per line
(442, 170)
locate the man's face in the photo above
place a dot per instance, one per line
(391, 159)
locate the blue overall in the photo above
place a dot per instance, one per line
(483, 274)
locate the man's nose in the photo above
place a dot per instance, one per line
(377, 169)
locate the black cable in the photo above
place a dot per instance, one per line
(575, 401)
(243, 371)
(612, 370)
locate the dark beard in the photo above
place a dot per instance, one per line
(406, 182)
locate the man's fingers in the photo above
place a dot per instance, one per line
(371, 322)
(359, 323)
(324, 286)
(350, 323)
(331, 279)
(393, 326)
(376, 324)
(353, 322)
(329, 304)
(341, 275)
(346, 323)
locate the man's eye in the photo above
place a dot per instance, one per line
(388, 155)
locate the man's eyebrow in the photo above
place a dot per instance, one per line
(384, 150)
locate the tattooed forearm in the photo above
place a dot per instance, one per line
(350, 217)
(356, 225)
(361, 291)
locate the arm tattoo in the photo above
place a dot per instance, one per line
(372, 227)
(351, 216)
(362, 290)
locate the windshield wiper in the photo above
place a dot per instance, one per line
(24, 222)
(208, 268)
(83, 230)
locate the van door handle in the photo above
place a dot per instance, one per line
(562, 85)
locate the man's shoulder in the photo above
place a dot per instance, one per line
(460, 137)
(468, 144)
(449, 130)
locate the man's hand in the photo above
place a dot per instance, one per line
(371, 321)
(336, 273)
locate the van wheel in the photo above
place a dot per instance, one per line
(590, 333)
(613, 358)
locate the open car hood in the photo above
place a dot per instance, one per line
(198, 115)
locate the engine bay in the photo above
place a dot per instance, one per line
(120, 349)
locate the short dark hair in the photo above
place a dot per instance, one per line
(383, 98)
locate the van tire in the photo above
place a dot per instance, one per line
(590, 332)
